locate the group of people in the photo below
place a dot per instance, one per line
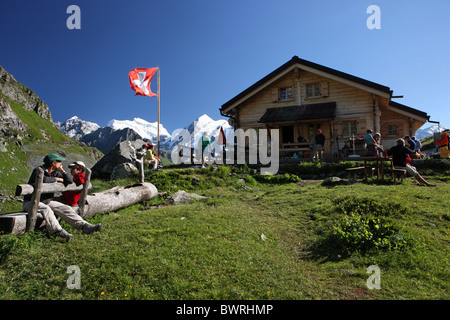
(373, 143)
(63, 207)
(401, 153)
(401, 157)
(147, 154)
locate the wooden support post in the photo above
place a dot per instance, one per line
(141, 170)
(35, 199)
(84, 192)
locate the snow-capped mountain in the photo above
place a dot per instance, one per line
(147, 130)
(203, 124)
(428, 131)
(77, 128)
(105, 138)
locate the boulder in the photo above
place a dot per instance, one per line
(123, 171)
(123, 152)
(334, 181)
(184, 197)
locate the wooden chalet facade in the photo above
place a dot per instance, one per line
(301, 96)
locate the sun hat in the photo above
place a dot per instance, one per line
(79, 163)
(52, 157)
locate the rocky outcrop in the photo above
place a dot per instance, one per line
(23, 95)
(123, 152)
(10, 125)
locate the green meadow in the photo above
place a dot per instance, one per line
(282, 237)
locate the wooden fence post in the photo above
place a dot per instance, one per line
(35, 199)
(141, 170)
(84, 192)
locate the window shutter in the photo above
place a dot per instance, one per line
(274, 95)
(324, 89)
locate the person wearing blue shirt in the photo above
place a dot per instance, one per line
(410, 143)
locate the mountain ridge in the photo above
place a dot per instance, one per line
(105, 138)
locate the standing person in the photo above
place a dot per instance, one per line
(205, 143)
(319, 142)
(378, 147)
(399, 155)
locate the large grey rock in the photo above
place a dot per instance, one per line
(123, 152)
(123, 171)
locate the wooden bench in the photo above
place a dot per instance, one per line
(353, 171)
(18, 222)
(400, 172)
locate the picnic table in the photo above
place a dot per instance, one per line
(373, 163)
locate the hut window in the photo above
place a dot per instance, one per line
(313, 90)
(285, 94)
(392, 131)
(349, 129)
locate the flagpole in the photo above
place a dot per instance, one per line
(159, 73)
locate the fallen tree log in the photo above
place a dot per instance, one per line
(101, 202)
(118, 198)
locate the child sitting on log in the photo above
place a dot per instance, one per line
(77, 170)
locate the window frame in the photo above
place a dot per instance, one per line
(348, 126)
(287, 95)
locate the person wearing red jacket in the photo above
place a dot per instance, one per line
(77, 170)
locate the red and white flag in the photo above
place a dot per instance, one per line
(140, 79)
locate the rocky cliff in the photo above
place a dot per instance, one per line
(16, 91)
(27, 134)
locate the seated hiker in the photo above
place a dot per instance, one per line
(400, 160)
(77, 170)
(49, 207)
(151, 159)
(140, 153)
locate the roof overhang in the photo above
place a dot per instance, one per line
(320, 70)
(297, 113)
(408, 111)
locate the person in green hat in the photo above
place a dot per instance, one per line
(49, 207)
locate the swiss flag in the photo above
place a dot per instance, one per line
(140, 79)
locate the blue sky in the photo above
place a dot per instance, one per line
(211, 50)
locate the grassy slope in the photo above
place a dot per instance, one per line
(213, 249)
(41, 138)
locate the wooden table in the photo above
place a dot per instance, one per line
(379, 165)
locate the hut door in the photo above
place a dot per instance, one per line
(288, 134)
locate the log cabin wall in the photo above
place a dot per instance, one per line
(360, 105)
(352, 104)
